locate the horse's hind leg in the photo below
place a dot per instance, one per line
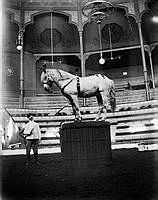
(105, 103)
(100, 104)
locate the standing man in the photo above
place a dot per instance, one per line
(33, 136)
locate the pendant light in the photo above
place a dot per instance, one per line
(101, 60)
(51, 37)
(19, 41)
(110, 44)
(97, 10)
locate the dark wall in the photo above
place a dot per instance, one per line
(38, 35)
(11, 74)
(123, 32)
(29, 74)
(9, 33)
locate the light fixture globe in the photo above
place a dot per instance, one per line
(19, 41)
(101, 61)
(155, 19)
(19, 47)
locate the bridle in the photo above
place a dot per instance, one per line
(49, 80)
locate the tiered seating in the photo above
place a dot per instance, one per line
(139, 127)
(10, 102)
(154, 93)
(134, 125)
(129, 96)
(134, 83)
(122, 97)
(45, 102)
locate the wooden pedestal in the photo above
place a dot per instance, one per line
(86, 147)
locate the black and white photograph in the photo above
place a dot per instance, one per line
(78, 99)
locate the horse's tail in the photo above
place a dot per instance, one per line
(112, 97)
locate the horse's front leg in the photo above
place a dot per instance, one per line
(75, 107)
(100, 110)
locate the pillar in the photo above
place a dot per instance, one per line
(22, 76)
(22, 19)
(136, 6)
(149, 49)
(80, 29)
(144, 61)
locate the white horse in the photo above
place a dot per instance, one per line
(73, 87)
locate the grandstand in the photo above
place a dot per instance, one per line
(134, 121)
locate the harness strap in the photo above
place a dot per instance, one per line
(112, 93)
(78, 86)
(60, 73)
(62, 89)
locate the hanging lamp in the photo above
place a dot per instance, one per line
(51, 37)
(19, 41)
(101, 60)
(110, 44)
(93, 6)
(97, 10)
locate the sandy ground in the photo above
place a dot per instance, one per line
(134, 176)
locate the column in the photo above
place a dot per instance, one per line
(22, 19)
(21, 99)
(144, 61)
(80, 29)
(149, 49)
(82, 56)
(136, 6)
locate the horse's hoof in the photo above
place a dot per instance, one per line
(100, 119)
(103, 119)
(78, 119)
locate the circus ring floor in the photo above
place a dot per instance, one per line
(134, 177)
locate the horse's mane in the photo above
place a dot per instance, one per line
(62, 74)
(66, 74)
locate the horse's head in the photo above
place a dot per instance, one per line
(47, 83)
